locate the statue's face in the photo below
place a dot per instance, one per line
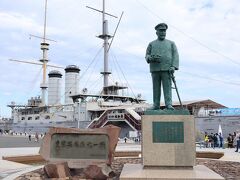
(161, 33)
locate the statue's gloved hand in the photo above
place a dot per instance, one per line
(153, 59)
(171, 69)
(156, 58)
(149, 59)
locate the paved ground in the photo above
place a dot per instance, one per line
(7, 141)
(7, 168)
(19, 145)
(229, 154)
(15, 145)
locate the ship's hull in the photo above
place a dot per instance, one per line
(43, 127)
(209, 124)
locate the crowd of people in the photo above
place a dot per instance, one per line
(36, 137)
(214, 140)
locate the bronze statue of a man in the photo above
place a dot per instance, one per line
(162, 56)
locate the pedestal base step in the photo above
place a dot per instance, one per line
(137, 172)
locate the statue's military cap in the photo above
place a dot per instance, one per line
(161, 26)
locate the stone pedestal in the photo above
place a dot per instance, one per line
(168, 149)
(137, 172)
(168, 140)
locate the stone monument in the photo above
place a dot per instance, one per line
(68, 149)
(168, 135)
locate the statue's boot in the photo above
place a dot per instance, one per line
(169, 107)
(153, 108)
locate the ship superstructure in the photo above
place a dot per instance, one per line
(34, 116)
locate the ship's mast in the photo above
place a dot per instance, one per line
(44, 60)
(105, 36)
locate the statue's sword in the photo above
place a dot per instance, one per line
(175, 87)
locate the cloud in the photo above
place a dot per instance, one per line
(205, 33)
(13, 20)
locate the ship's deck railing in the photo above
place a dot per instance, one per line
(99, 121)
(136, 124)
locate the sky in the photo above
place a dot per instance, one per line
(206, 33)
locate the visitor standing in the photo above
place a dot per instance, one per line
(238, 144)
(230, 141)
(36, 137)
(215, 141)
(221, 140)
(29, 137)
(236, 141)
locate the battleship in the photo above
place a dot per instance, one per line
(82, 109)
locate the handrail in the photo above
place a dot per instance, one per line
(133, 122)
(94, 123)
(137, 122)
(102, 119)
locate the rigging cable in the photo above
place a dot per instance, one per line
(88, 51)
(192, 74)
(91, 73)
(190, 37)
(125, 77)
(34, 81)
(112, 79)
(91, 62)
(94, 84)
(85, 70)
(212, 79)
(81, 75)
(117, 72)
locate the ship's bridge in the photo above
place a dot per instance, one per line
(113, 89)
(107, 97)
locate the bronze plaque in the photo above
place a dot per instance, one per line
(79, 146)
(168, 132)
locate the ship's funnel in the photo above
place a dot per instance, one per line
(54, 89)
(71, 83)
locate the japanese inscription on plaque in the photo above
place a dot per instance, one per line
(79, 146)
(168, 132)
